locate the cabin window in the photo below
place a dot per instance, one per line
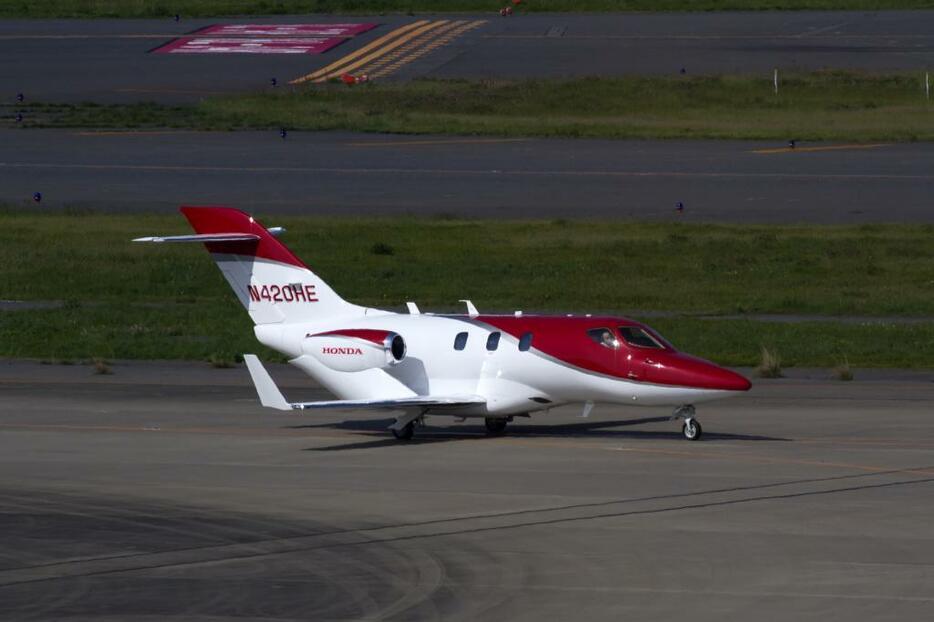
(492, 342)
(525, 342)
(460, 342)
(636, 336)
(605, 337)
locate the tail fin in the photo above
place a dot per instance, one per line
(271, 282)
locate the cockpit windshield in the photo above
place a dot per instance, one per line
(639, 337)
(605, 337)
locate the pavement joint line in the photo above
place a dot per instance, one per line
(434, 528)
(820, 148)
(106, 36)
(924, 471)
(392, 45)
(760, 38)
(175, 91)
(359, 52)
(442, 141)
(133, 132)
(469, 172)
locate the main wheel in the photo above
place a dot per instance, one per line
(406, 433)
(692, 429)
(495, 425)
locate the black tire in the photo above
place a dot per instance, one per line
(495, 425)
(692, 429)
(405, 434)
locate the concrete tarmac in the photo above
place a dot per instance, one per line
(338, 173)
(165, 492)
(108, 60)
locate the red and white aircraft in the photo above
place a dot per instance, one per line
(492, 366)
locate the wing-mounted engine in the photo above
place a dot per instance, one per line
(356, 349)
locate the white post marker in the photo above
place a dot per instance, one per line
(775, 80)
(927, 84)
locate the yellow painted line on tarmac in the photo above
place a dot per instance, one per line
(389, 47)
(456, 141)
(821, 148)
(417, 49)
(407, 52)
(324, 71)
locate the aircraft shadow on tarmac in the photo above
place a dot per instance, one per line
(580, 430)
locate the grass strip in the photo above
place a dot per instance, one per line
(137, 301)
(825, 105)
(208, 8)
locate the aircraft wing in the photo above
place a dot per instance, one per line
(271, 397)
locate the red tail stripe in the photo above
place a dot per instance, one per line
(367, 334)
(217, 219)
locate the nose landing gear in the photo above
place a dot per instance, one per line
(691, 428)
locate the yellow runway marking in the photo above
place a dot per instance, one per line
(418, 48)
(407, 51)
(456, 141)
(821, 148)
(387, 48)
(333, 67)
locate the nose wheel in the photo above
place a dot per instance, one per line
(691, 428)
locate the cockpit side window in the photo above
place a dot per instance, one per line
(605, 337)
(636, 336)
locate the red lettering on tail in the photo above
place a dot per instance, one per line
(293, 292)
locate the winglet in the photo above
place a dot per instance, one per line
(269, 394)
(471, 309)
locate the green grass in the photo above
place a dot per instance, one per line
(828, 105)
(206, 8)
(139, 301)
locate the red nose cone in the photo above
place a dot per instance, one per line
(726, 380)
(688, 371)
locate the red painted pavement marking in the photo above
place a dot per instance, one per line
(291, 30)
(226, 45)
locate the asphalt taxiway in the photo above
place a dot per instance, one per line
(338, 173)
(108, 60)
(163, 491)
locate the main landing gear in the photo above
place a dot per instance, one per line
(405, 433)
(496, 425)
(691, 428)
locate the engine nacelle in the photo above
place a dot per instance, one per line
(356, 349)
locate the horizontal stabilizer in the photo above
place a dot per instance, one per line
(202, 237)
(271, 397)
(269, 394)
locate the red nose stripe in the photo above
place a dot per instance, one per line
(688, 371)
